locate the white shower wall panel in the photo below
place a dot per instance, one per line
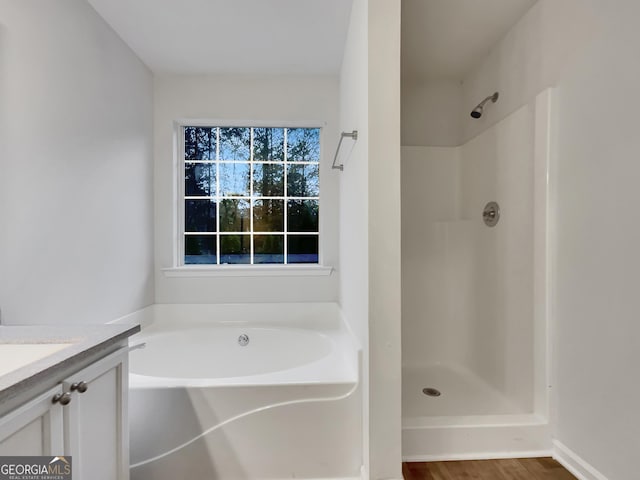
(497, 166)
(429, 202)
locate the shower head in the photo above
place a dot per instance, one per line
(477, 112)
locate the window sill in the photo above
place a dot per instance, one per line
(193, 271)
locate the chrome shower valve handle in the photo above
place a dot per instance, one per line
(491, 214)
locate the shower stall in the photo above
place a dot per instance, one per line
(474, 291)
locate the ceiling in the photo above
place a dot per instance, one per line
(441, 39)
(232, 36)
(445, 39)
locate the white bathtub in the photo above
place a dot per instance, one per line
(285, 404)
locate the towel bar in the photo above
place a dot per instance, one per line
(354, 136)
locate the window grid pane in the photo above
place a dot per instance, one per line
(251, 220)
(217, 197)
(284, 162)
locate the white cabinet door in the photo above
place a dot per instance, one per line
(34, 429)
(96, 420)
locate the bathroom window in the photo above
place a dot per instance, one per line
(251, 195)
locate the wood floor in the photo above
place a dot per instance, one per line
(512, 469)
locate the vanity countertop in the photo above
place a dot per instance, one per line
(37, 354)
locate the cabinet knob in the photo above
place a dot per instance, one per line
(62, 398)
(81, 387)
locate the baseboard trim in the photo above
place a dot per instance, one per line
(574, 463)
(477, 456)
(365, 476)
(570, 460)
(325, 478)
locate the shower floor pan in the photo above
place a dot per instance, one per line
(468, 420)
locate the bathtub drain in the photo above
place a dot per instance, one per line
(243, 340)
(431, 392)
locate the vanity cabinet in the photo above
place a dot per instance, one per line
(85, 416)
(96, 432)
(34, 429)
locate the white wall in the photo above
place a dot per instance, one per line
(431, 113)
(588, 49)
(243, 98)
(385, 298)
(76, 242)
(354, 184)
(354, 194)
(370, 222)
(533, 55)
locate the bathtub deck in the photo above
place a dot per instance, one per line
(511, 469)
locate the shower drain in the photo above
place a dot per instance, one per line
(431, 392)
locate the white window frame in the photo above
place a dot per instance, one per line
(179, 268)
